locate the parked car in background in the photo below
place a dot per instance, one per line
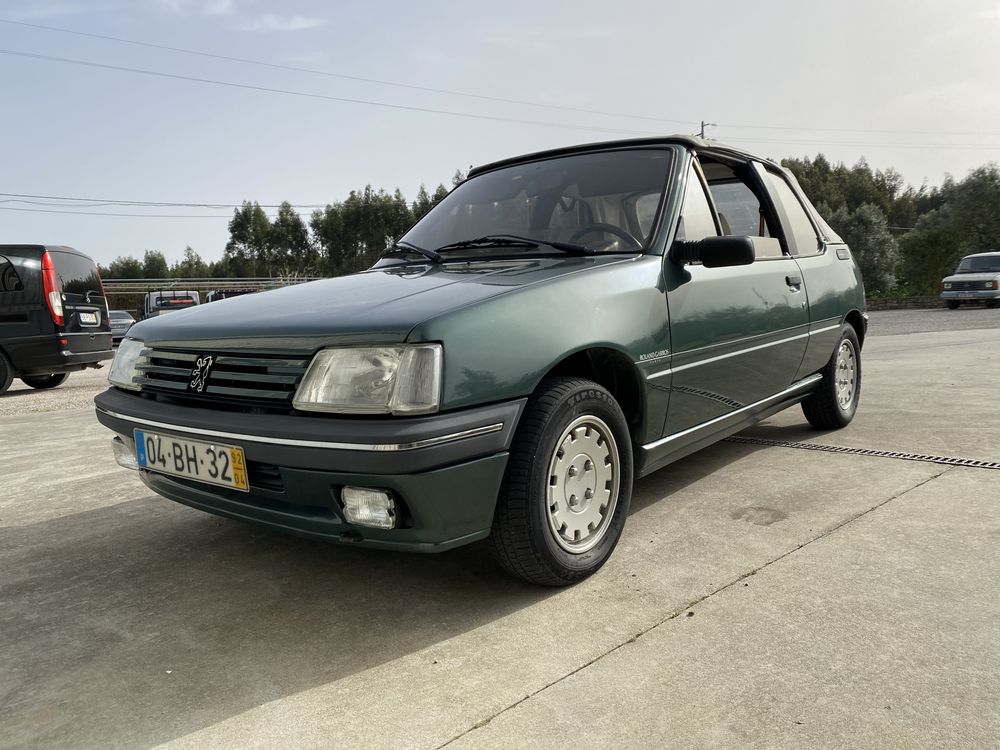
(53, 315)
(558, 325)
(166, 301)
(977, 279)
(121, 321)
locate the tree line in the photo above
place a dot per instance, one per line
(904, 238)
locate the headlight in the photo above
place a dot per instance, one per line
(373, 380)
(122, 372)
(947, 285)
(991, 285)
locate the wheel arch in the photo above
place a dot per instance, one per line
(613, 370)
(857, 322)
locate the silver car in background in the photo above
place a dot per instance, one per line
(977, 278)
(121, 321)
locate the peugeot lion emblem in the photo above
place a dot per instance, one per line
(199, 373)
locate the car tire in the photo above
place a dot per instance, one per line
(6, 373)
(952, 304)
(45, 381)
(833, 404)
(550, 526)
(991, 303)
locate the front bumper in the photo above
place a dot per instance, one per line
(446, 469)
(972, 294)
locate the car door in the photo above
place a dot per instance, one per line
(85, 311)
(739, 333)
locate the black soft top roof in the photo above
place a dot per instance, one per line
(688, 141)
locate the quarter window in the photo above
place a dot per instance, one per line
(801, 234)
(9, 280)
(696, 221)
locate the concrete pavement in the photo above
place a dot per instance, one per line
(761, 597)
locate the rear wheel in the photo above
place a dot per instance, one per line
(45, 381)
(6, 373)
(952, 304)
(568, 484)
(834, 403)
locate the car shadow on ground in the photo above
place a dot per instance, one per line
(112, 614)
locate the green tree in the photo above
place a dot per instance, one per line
(967, 220)
(248, 252)
(873, 245)
(290, 249)
(123, 267)
(154, 265)
(422, 204)
(190, 267)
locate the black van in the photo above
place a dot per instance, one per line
(53, 315)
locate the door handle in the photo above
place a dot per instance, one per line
(794, 281)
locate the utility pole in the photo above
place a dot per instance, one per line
(706, 125)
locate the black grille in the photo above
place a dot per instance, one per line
(257, 379)
(962, 286)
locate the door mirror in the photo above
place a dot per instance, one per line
(714, 252)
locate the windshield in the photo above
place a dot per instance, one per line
(605, 201)
(981, 264)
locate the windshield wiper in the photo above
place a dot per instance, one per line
(410, 247)
(514, 240)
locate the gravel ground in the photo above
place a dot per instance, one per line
(79, 390)
(76, 393)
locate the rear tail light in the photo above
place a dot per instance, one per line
(53, 295)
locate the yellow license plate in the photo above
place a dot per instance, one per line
(212, 463)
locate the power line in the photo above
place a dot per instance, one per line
(343, 76)
(470, 95)
(106, 213)
(471, 115)
(116, 202)
(309, 95)
(865, 144)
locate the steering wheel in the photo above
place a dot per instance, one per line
(608, 229)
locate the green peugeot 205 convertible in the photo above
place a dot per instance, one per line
(557, 326)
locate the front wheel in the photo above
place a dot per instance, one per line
(952, 304)
(566, 492)
(44, 381)
(833, 404)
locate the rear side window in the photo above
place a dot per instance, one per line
(801, 234)
(739, 209)
(9, 280)
(76, 274)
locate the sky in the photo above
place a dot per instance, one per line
(911, 85)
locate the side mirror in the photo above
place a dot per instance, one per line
(714, 252)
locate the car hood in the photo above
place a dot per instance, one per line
(379, 305)
(984, 276)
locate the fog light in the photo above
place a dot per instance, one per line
(368, 507)
(124, 453)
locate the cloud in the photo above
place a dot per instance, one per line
(43, 11)
(199, 7)
(270, 22)
(219, 8)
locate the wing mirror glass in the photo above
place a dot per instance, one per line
(714, 252)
